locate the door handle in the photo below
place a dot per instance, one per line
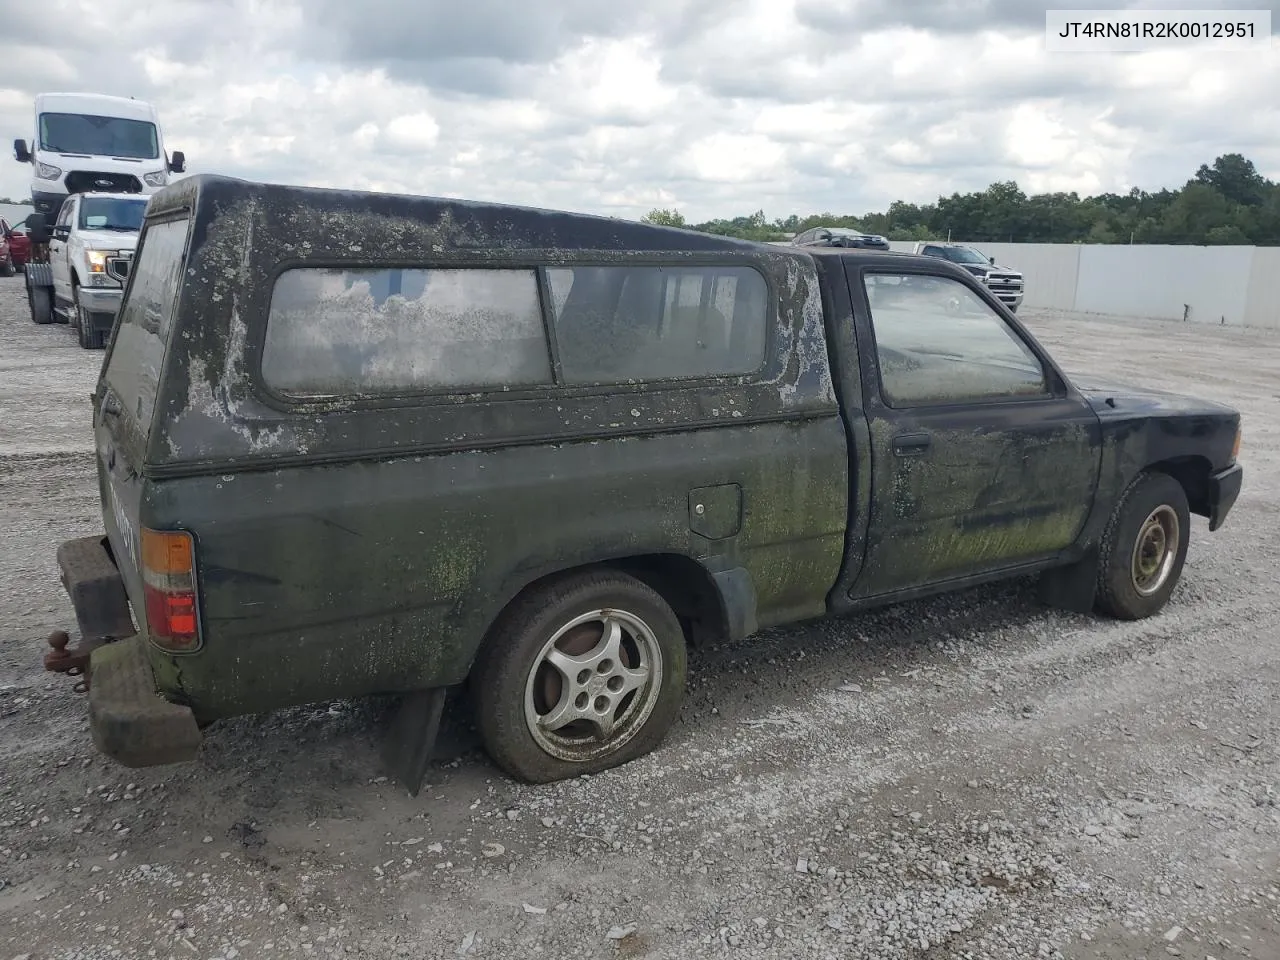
(911, 444)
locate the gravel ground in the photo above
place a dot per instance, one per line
(971, 777)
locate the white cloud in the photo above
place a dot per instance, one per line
(717, 107)
(413, 132)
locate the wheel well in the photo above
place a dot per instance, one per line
(1193, 474)
(684, 583)
(687, 586)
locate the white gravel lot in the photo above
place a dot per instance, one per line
(970, 777)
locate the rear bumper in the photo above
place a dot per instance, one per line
(130, 721)
(1224, 488)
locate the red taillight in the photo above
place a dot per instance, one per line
(169, 588)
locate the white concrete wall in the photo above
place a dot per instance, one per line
(1235, 286)
(1049, 270)
(1210, 283)
(1232, 285)
(1262, 303)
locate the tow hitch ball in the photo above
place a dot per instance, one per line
(73, 662)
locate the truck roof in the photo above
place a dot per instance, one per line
(866, 253)
(95, 104)
(442, 223)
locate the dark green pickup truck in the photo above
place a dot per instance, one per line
(355, 443)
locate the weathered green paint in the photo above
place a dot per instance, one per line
(984, 495)
(386, 574)
(353, 547)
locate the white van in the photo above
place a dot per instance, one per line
(88, 142)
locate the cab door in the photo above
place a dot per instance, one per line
(984, 458)
(59, 262)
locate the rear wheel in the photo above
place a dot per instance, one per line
(41, 300)
(580, 676)
(1144, 548)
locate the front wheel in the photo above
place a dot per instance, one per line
(6, 266)
(1144, 548)
(578, 677)
(82, 321)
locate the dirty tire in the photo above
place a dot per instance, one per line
(83, 324)
(41, 299)
(1152, 499)
(513, 676)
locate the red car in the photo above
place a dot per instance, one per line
(15, 248)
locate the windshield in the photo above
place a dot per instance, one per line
(111, 213)
(98, 136)
(963, 255)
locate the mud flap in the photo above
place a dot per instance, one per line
(1073, 588)
(39, 275)
(412, 736)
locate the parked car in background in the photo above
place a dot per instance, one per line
(15, 248)
(840, 237)
(90, 253)
(353, 443)
(1004, 282)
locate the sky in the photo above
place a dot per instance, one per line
(717, 108)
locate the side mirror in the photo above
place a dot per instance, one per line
(20, 151)
(61, 231)
(179, 162)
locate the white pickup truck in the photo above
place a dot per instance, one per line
(91, 250)
(1006, 283)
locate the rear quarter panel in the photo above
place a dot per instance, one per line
(346, 579)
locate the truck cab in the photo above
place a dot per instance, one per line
(353, 443)
(91, 142)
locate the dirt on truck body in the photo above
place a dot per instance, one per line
(353, 443)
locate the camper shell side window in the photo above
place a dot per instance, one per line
(359, 332)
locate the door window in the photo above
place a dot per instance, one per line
(938, 342)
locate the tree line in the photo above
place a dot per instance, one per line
(1226, 202)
